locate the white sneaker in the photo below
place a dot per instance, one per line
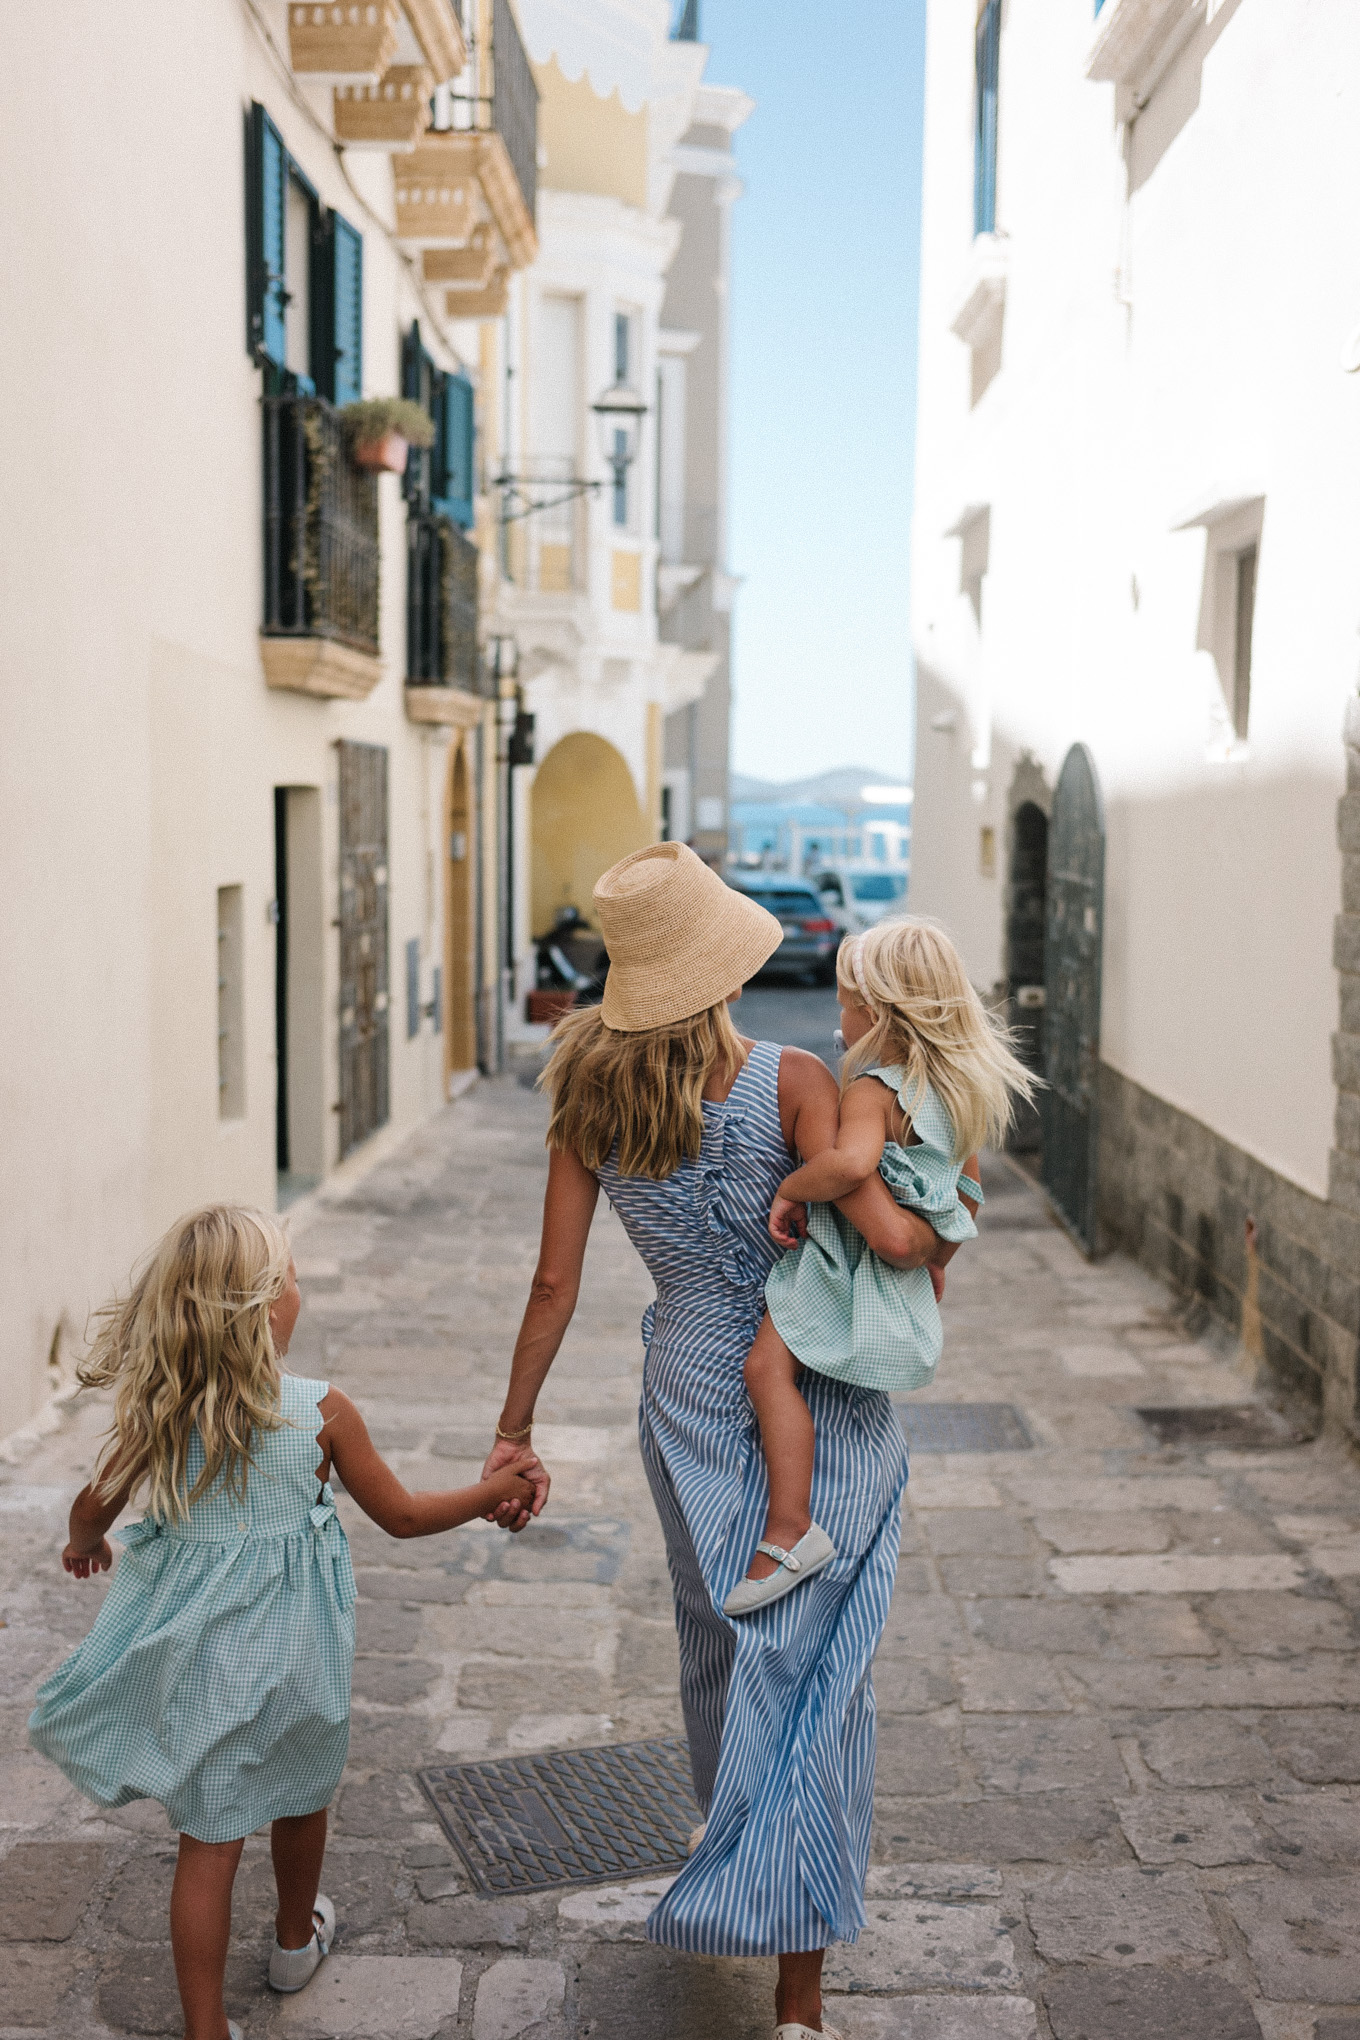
(812, 1551)
(234, 2031)
(291, 1968)
(797, 2032)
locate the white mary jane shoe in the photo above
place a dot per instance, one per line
(234, 2031)
(812, 1551)
(797, 2032)
(291, 1968)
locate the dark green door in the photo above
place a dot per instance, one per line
(1073, 926)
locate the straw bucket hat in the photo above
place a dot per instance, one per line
(679, 940)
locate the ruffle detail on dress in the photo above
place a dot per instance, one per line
(725, 1140)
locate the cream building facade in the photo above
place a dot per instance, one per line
(1135, 612)
(582, 584)
(248, 800)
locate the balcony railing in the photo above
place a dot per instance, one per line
(514, 100)
(441, 605)
(320, 529)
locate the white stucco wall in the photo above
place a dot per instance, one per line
(141, 745)
(1171, 340)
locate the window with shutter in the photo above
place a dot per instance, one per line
(266, 211)
(305, 274)
(454, 444)
(348, 324)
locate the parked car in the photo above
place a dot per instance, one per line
(812, 932)
(861, 894)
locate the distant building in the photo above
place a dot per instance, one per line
(1134, 601)
(844, 816)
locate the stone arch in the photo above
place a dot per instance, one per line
(585, 816)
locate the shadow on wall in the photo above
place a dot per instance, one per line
(1175, 98)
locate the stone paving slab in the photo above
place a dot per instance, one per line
(1120, 1749)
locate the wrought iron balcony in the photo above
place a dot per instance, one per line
(441, 608)
(467, 194)
(321, 555)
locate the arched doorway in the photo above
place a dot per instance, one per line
(585, 816)
(1028, 869)
(1073, 929)
(460, 920)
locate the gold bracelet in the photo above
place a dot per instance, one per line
(513, 1437)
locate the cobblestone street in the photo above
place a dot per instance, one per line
(1119, 1753)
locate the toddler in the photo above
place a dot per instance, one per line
(927, 1079)
(216, 1677)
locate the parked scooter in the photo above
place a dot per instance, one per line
(571, 957)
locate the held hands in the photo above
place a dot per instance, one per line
(526, 1483)
(82, 1565)
(788, 1222)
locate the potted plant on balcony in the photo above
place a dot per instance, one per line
(382, 430)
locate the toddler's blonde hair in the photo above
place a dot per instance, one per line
(929, 1020)
(189, 1349)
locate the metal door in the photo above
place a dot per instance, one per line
(363, 942)
(1072, 949)
(1026, 909)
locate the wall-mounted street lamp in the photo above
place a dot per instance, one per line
(618, 412)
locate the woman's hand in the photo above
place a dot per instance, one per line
(788, 1222)
(510, 1453)
(83, 1564)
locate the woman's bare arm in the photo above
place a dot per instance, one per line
(568, 1208)
(346, 1445)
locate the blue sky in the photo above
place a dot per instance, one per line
(825, 250)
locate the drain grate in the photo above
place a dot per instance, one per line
(568, 1816)
(1245, 1425)
(964, 1427)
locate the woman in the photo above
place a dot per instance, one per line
(690, 1129)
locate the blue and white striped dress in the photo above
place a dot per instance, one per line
(779, 1707)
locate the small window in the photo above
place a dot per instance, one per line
(231, 1061)
(297, 270)
(1244, 614)
(622, 345)
(988, 79)
(413, 988)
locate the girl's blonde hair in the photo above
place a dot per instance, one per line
(643, 1091)
(189, 1350)
(929, 1020)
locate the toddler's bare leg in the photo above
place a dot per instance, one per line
(787, 1435)
(200, 1929)
(297, 1846)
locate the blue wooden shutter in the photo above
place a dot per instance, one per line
(266, 175)
(415, 482)
(348, 302)
(454, 446)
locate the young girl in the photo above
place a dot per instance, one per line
(928, 1079)
(216, 1677)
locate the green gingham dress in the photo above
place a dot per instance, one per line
(842, 1311)
(216, 1677)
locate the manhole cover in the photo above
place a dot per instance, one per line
(568, 1816)
(1242, 1424)
(964, 1427)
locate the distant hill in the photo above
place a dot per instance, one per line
(844, 783)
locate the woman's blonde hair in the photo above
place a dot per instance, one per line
(929, 1021)
(188, 1350)
(642, 1091)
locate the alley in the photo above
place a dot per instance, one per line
(1117, 1777)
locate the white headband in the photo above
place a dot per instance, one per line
(857, 967)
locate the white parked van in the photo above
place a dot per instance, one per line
(862, 894)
